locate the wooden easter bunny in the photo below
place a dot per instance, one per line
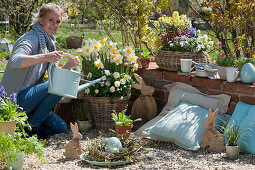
(145, 106)
(73, 147)
(212, 139)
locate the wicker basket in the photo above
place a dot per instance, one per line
(73, 42)
(101, 109)
(170, 60)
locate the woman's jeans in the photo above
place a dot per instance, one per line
(38, 105)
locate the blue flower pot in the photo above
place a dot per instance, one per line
(248, 73)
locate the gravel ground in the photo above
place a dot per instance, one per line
(160, 155)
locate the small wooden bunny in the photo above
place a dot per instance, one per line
(73, 147)
(145, 106)
(212, 139)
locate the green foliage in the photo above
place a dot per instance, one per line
(232, 134)
(20, 13)
(83, 111)
(123, 120)
(5, 55)
(243, 60)
(225, 61)
(60, 42)
(16, 143)
(146, 55)
(230, 21)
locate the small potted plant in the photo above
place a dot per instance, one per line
(10, 113)
(14, 147)
(83, 122)
(145, 60)
(123, 123)
(232, 134)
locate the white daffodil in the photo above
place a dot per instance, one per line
(87, 50)
(114, 51)
(107, 72)
(89, 41)
(96, 91)
(135, 67)
(116, 75)
(118, 59)
(103, 40)
(112, 89)
(104, 78)
(89, 75)
(112, 45)
(107, 83)
(96, 46)
(128, 50)
(132, 59)
(87, 90)
(123, 81)
(98, 63)
(113, 57)
(117, 83)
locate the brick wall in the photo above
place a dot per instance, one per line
(157, 78)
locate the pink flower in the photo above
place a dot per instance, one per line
(221, 55)
(219, 43)
(214, 61)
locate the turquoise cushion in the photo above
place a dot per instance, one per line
(244, 117)
(183, 125)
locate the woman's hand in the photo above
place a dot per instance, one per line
(53, 56)
(72, 63)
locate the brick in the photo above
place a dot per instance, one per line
(234, 97)
(159, 84)
(202, 90)
(238, 87)
(247, 99)
(172, 76)
(153, 74)
(231, 108)
(214, 92)
(205, 82)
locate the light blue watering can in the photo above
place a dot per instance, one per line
(63, 82)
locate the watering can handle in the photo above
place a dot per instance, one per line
(51, 64)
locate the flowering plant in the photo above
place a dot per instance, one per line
(103, 59)
(176, 34)
(221, 59)
(9, 110)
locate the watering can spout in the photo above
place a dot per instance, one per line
(86, 85)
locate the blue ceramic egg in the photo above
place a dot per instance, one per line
(112, 144)
(248, 73)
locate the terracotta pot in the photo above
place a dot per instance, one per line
(145, 63)
(124, 130)
(232, 152)
(7, 127)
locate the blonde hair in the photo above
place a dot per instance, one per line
(49, 7)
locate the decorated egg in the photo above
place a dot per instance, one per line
(112, 144)
(248, 73)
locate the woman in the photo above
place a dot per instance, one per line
(26, 67)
